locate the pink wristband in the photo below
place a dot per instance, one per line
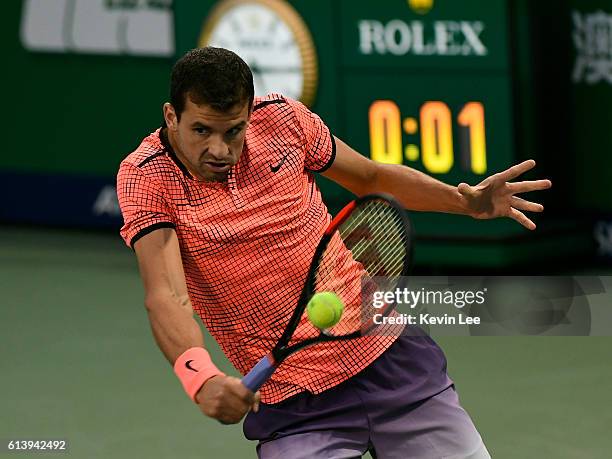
(194, 367)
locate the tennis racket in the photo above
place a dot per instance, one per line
(366, 248)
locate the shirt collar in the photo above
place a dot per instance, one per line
(163, 138)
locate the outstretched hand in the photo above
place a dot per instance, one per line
(495, 196)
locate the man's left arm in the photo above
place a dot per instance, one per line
(493, 197)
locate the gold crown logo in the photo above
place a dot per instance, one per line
(421, 6)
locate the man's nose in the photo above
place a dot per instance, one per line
(217, 148)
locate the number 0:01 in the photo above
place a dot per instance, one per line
(436, 136)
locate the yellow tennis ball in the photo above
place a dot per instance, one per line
(324, 309)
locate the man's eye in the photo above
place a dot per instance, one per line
(200, 130)
(233, 132)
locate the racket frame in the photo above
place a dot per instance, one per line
(268, 364)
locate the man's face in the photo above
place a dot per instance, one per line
(208, 142)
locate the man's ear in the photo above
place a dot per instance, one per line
(170, 116)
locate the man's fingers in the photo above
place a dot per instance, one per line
(248, 399)
(241, 391)
(522, 204)
(521, 218)
(256, 401)
(231, 401)
(529, 185)
(516, 170)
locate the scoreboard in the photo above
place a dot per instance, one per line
(443, 86)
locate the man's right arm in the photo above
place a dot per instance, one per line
(174, 327)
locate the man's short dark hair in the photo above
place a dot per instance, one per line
(211, 76)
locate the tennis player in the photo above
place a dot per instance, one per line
(222, 210)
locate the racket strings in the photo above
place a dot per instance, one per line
(380, 244)
(367, 256)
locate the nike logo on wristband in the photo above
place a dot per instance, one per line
(189, 367)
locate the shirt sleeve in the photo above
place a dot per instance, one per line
(142, 203)
(320, 144)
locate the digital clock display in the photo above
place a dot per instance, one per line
(455, 127)
(437, 146)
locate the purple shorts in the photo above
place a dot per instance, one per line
(403, 405)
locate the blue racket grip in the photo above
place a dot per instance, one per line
(259, 374)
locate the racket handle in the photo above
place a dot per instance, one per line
(259, 374)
